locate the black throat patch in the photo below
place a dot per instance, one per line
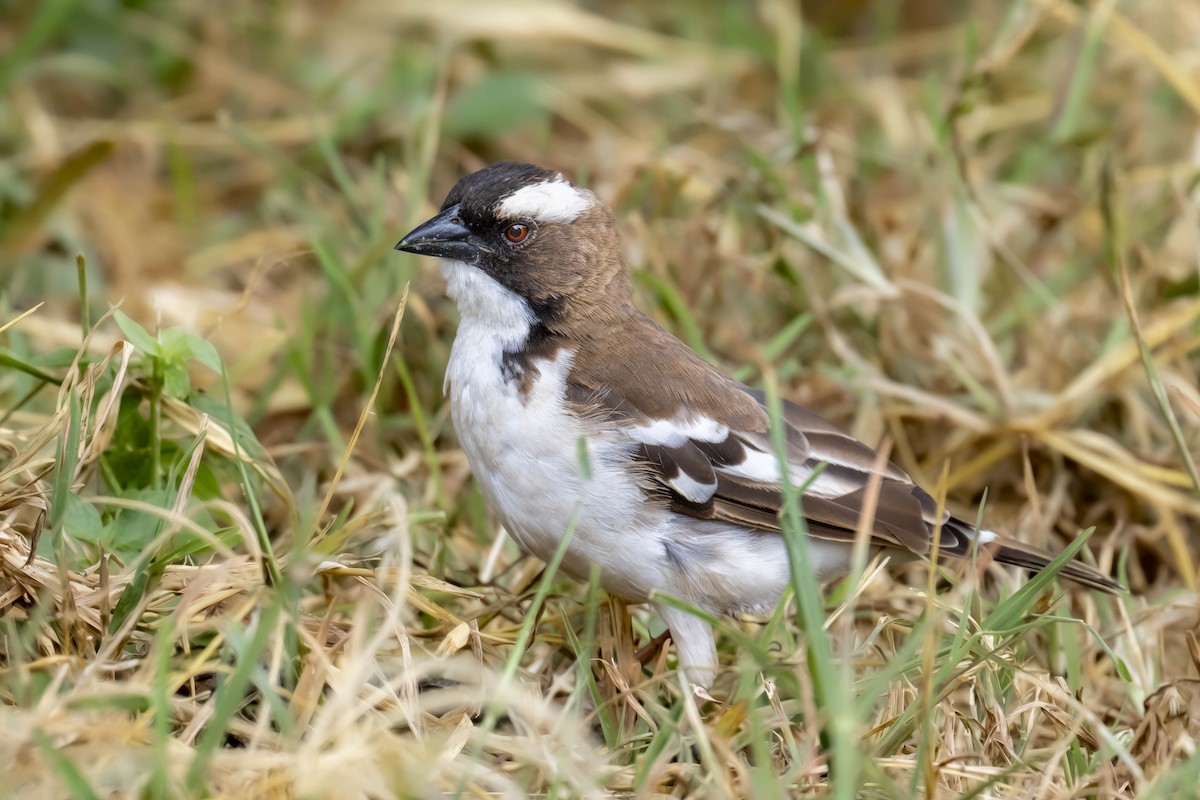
(517, 366)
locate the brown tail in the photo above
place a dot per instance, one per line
(1032, 558)
(1019, 554)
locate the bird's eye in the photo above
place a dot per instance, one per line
(517, 232)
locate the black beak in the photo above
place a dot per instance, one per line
(444, 236)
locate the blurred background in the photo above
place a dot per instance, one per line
(910, 209)
(971, 227)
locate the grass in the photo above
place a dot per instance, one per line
(241, 554)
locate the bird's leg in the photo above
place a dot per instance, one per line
(694, 643)
(648, 651)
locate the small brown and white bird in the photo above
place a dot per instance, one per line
(682, 494)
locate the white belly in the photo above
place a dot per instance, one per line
(525, 451)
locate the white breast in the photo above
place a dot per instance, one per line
(524, 448)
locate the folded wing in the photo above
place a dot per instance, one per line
(709, 469)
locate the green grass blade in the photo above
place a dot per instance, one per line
(77, 785)
(831, 684)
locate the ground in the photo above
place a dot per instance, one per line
(241, 553)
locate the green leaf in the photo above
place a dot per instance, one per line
(203, 351)
(136, 334)
(128, 455)
(133, 530)
(207, 485)
(81, 521)
(176, 381)
(173, 346)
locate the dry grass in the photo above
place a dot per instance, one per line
(975, 236)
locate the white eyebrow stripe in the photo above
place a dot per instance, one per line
(549, 201)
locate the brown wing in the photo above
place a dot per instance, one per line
(709, 469)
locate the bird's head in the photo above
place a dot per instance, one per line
(521, 230)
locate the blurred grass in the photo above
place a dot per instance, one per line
(241, 554)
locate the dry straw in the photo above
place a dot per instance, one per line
(976, 241)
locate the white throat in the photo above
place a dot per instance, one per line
(488, 309)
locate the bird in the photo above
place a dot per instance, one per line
(579, 415)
